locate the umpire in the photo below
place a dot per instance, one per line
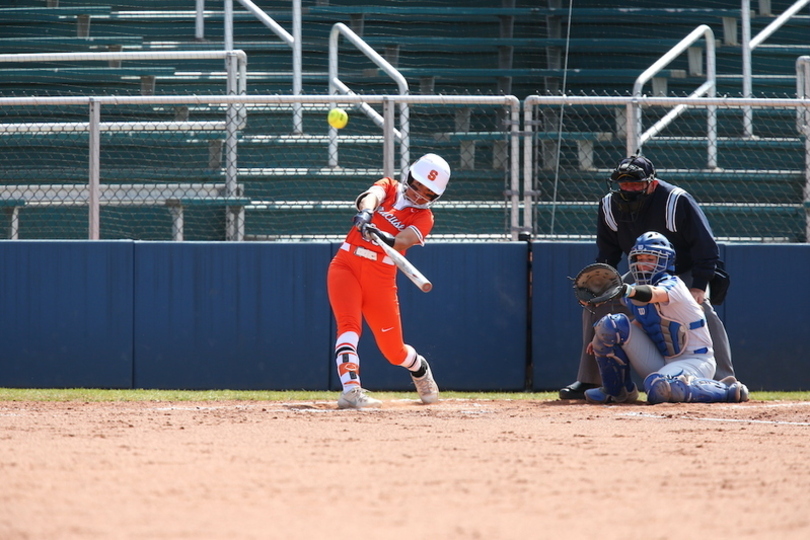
(644, 203)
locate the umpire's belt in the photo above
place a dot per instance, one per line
(366, 253)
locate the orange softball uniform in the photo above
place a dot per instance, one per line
(361, 280)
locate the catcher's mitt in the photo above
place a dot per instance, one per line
(598, 283)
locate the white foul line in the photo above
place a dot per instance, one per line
(739, 420)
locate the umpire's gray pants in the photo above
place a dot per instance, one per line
(588, 369)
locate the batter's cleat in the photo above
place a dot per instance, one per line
(737, 391)
(576, 390)
(356, 398)
(425, 385)
(599, 395)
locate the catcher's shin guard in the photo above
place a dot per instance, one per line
(617, 386)
(609, 332)
(658, 388)
(686, 389)
(614, 366)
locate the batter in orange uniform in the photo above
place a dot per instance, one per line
(362, 279)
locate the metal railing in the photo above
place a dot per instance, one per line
(520, 200)
(236, 84)
(532, 112)
(336, 86)
(293, 40)
(236, 61)
(636, 139)
(93, 194)
(803, 127)
(749, 44)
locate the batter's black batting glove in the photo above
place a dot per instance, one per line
(362, 218)
(370, 232)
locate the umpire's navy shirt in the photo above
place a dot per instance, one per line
(668, 210)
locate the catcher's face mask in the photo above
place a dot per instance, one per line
(651, 258)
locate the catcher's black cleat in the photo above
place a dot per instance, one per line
(576, 390)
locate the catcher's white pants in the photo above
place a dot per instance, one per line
(645, 358)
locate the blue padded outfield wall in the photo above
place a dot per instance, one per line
(472, 325)
(247, 316)
(188, 315)
(66, 314)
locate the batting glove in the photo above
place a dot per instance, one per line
(362, 218)
(370, 232)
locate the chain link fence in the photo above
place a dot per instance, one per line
(752, 188)
(233, 168)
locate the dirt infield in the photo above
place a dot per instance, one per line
(456, 470)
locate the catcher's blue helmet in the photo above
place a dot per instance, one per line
(656, 244)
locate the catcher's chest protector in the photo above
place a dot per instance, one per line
(671, 337)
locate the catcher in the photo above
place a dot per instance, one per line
(639, 201)
(667, 343)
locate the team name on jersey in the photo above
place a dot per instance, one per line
(392, 219)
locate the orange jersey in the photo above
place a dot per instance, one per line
(393, 215)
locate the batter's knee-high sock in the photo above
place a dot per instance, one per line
(414, 363)
(347, 361)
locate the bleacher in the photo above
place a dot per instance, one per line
(755, 193)
(515, 47)
(518, 36)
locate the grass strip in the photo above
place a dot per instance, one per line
(95, 394)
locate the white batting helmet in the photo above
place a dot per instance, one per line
(432, 171)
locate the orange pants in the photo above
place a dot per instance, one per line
(358, 288)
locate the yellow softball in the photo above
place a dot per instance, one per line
(338, 118)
